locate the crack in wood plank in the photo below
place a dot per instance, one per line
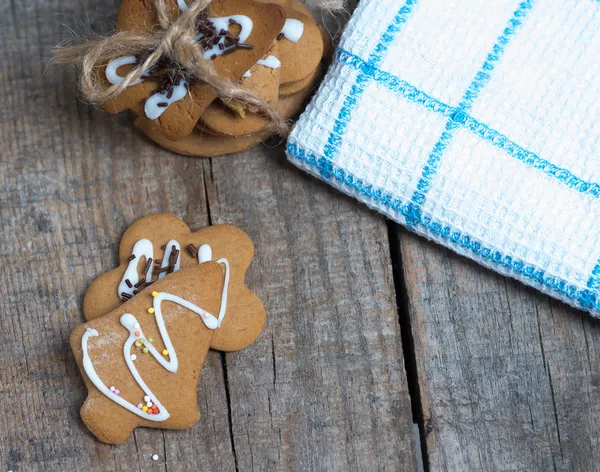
(336, 396)
(408, 347)
(506, 374)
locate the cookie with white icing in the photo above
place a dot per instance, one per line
(141, 362)
(234, 118)
(157, 245)
(206, 142)
(282, 66)
(169, 103)
(300, 46)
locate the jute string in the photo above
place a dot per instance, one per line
(174, 39)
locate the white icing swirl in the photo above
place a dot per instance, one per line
(136, 334)
(143, 248)
(111, 70)
(270, 61)
(293, 30)
(179, 90)
(158, 103)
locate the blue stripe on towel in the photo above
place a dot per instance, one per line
(586, 299)
(479, 82)
(466, 121)
(352, 99)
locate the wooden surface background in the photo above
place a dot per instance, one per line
(369, 328)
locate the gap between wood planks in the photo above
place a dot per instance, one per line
(421, 430)
(410, 360)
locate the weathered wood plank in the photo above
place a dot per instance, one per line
(324, 388)
(71, 180)
(508, 377)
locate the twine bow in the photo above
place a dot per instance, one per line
(173, 39)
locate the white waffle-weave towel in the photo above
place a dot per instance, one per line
(476, 124)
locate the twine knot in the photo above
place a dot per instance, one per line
(172, 41)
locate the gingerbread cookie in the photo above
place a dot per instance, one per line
(206, 142)
(285, 90)
(263, 79)
(157, 245)
(235, 34)
(271, 47)
(141, 363)
(300, 46)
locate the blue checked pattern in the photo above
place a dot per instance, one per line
(499, 166)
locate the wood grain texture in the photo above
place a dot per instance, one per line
(508, 377)
(323, 388)
(71, 180)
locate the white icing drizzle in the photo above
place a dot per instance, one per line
(293, 30)
(88, 366)
(143, 248)
(270, 61)
(204, 253)
(222, 23)
(151, 108)
(111, 70)
(179, 91)
(136, 334)
(167, 256)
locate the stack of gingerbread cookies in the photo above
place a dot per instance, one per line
(273, 48)
(151, 321)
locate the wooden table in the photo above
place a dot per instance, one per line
(370, 329)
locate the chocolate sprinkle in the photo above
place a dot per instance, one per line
(167, 73)
(173, 259)
(229, 51)
(128, 282)
(280, 36)
(148, 265)
(192, 250)
(130, 258)
(125, 296)
(140, 283)
(173, 255)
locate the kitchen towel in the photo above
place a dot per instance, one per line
(475, 124)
